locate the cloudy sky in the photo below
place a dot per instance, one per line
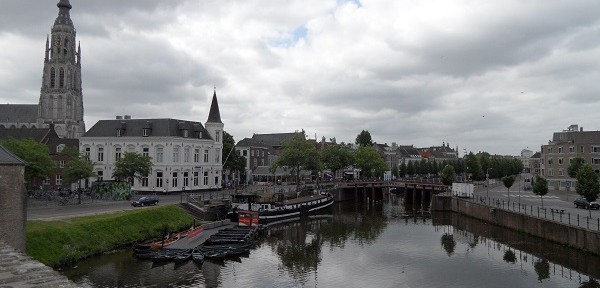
(496, 76)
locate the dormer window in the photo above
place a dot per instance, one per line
(146, 132)
(120, 132)
(60, 148)
(185, 133)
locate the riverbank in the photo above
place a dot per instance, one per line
(62, 242)
(575, 237)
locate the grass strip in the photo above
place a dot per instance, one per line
(63, 242)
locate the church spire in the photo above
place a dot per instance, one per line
(214, 116)
(47, 48)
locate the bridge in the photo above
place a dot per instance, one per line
(417, 193)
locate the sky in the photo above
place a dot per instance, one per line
(497, 76)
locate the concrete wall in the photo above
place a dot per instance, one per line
(571, 236)
(13, 206)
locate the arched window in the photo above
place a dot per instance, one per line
(62, 77)
(52, 77)
(69, 107)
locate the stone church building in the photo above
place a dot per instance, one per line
(61, 98)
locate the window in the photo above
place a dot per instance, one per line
(251, 153)
(175, 155)
(58, 180)
(146, 151)
(550, 172)
(561, 172)
(119, 132)
(245, 153)
(117, 153)
(195, 178)
(185, 133)
(550, 161)
(560, 161)
(205, 180)
(52, 77)
(560, 149)
(100, 155)
(159, 179)
(87, 152)
(159, 154)
(60, 148)
(217, 181)
(217, 155)
(144, 182)
(595, 149)
(262, 162)
(218, 136)
(186, 181)
(255, 161)
(196, 155)
(571, 149)
(61, 75)
(581, 149)
(186, 155)
(100, 175)
(46, 181)
(549, 149)
(595, 161)
(61, 163)
(174, 180)
(145, 132)
(205, 155)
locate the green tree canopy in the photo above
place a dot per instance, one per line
(587, 184)
(296, 155)
(77, 169)
(508, 181)
(574, 166)
(335, 157)
(364, 139)
(132, 165)
(540, 187)
(233, 161)
(39, 163)
(369, 161)
(448, 175)
(402, 170)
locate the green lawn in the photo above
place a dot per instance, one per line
(58, 243)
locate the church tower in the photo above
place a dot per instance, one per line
(214, 125)
(61, 98)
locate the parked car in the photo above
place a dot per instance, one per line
(582, 202)
(145, 201)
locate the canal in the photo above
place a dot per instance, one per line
(358, 246)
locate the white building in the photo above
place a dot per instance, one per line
(186, 155)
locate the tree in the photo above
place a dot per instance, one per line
(587, 184)
(474, 167)
(335, 157)
(410, 168)
(79, 168)
(369, 161)
(402, 170)
(364, 139)
(448, 175)
(39, 163)
(132, 166)
(508, 182)
(233, 161)
(540, 187)
(296, 154)
(574, 167)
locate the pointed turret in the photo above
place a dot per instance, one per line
(46, 58)
(79, 53)
(214, 116)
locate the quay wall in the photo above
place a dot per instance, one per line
(571, 236)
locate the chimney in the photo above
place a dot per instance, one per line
(127, 116)
(119, 117)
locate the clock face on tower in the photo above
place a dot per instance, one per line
(57, 41)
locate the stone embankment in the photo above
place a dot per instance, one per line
(20, 270)
(576, 237)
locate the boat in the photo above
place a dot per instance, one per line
(182, 256)
(197, 256)
(254, 214)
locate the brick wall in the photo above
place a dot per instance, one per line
(13, 205)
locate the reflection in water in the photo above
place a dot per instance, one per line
(382, 245)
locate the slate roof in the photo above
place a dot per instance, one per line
(214, 116)
(46, 136)
(537, 155)
(8, 158)
(276, 139)
(157, 128)
(22, 113)
(249, 142)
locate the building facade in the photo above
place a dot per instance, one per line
(61, 98)
(566, 145)
(186, 155)
(13, 200)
